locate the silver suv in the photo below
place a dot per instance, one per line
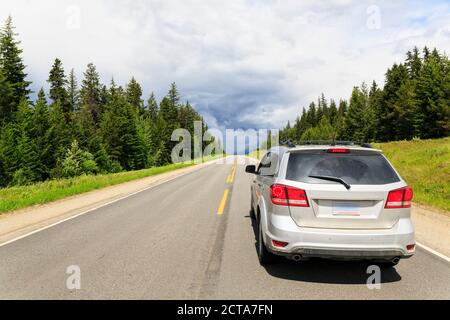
(336, 201)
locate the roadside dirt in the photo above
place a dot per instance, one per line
(432, 228)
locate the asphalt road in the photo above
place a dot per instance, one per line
(168, 242)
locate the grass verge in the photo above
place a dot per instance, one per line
(19, 197)
(425, 166)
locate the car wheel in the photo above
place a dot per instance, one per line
(252, 210)
(265, 256)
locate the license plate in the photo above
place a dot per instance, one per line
(346, 209)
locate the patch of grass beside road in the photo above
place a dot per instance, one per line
(425, 166)
(18, 197)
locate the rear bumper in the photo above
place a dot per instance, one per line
(340, 243)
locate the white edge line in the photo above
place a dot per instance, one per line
(100, 206)
(440, 255)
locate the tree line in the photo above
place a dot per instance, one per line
(414, 103)
(85, 128)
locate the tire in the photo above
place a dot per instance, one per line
(265, 256)
(252, 210)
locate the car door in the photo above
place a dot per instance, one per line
(264, 177)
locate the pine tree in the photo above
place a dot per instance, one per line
(169, 111)
(134, 94)
(324, 104)
(152, 107)
(319, 113)
(11, 64)
(9, 157)
(39, 134)
(426, 53)
(90, 92)
(434, 104)
(355, 123)
(386, 115)
(174, 95)
(373, 107)
(166, 124)
(24, 121)
(405, 111)
(332, 113)
(119, 128)
(6, 99)
(58, 83)
(342, 108)
(27, 171)
(72, 91)
(59, 137)
(413, 63)
(311, 118)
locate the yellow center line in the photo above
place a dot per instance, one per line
(223, 202)
(230, 178)
(232, 175)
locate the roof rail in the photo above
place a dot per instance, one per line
(335, 142)
(288, 143)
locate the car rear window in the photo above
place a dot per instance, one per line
(356, 167)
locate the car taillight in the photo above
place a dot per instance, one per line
(399, 198)
(279, 244)
(338, 150)
(288, 196)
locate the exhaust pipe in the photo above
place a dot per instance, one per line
(296, 257)
(395, 260)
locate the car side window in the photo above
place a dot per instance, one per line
(267, 165)
(264, 163)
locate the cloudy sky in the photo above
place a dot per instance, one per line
(244, 63)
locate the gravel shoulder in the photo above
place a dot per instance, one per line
(432, 228)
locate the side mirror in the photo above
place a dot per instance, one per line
(250, 169)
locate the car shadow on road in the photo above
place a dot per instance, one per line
(325, 271)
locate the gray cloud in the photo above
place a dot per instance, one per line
(243, 64)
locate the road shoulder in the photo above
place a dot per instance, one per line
(432, 229)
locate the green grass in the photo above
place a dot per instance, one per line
(14, 198)
(425, 166)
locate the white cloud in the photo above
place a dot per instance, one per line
(241, 63)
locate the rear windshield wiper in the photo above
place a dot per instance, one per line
(335, 179)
